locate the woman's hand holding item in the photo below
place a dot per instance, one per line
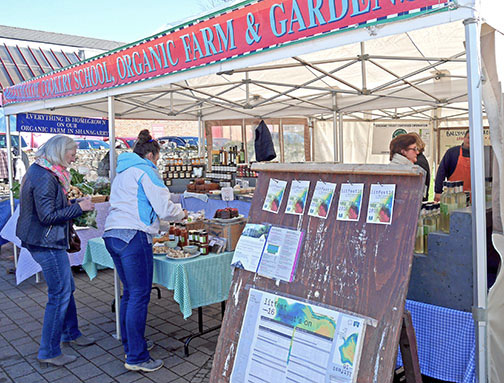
(86, 204)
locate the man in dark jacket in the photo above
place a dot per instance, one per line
(455, 166)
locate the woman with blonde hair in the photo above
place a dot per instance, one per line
(43, 228)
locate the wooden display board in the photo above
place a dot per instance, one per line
(360, 267)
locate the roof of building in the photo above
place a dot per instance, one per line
(20, 62)
(16, 33)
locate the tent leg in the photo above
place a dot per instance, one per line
(201, 144)
(474, 88)
(340, 137)
(112, 159)
(10, 175)
(335, 128)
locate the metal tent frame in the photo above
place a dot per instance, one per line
(326, 77)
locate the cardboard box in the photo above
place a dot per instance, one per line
(229, 230)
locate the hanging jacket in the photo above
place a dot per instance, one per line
(138, 197)
(264, 148)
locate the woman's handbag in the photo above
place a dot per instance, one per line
(74, 240)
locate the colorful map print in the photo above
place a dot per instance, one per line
(347, 349)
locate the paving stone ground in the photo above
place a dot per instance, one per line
(21, 316)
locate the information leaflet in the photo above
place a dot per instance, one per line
(322, 199)
(297, 197)
(268, 250)
(350, 202)
(280, 254)
(381, 204)
(287, 340)
(273, 200)
(250, 246)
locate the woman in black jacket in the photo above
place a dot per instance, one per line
(43, 228)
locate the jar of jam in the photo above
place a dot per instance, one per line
(204, 249)
(177, 235)
(183, 237)
(171, 233)
(191, 237)
(203, 237)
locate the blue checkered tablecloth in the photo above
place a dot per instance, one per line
(446, 342)
(195, 282)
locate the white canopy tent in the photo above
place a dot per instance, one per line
(410, 68)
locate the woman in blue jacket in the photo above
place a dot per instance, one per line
(138, 197)
(43, 228)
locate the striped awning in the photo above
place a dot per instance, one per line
(20, 63)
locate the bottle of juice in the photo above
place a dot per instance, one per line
(445, 214)
(429, 225)
(461, 196)
(437, 214)
(419, 240)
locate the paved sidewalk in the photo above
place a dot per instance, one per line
(21, 315)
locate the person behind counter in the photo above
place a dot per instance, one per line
(404, 150)
(423, 163)
(138, 198)
(456, 166)
(43, 228)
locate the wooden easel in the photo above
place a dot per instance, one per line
(409, 350)
(359, 267)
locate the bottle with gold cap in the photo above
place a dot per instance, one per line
(445, 214)
(419, 239)
(429, 224)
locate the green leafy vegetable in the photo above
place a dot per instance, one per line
(85, 188)
(16, 189)
(77, 178)
(87, 219)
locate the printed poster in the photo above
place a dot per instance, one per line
(350, 202)
(322, 199)
(280, 254)
(283, 339)
(381, 204)
(274, 196)
(297, 197)
(250, 247)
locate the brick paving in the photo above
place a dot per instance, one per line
(21, 316)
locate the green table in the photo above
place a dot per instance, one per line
(196, 282)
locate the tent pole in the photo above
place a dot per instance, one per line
(112, 159)
(474, 85)
(10, 175)
(200, 132)
(340, 138)
(335, 128)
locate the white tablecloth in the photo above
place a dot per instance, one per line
(26, 264)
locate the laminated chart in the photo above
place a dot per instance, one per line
(286, 340)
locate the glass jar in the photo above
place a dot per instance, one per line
(203, 237)
(183, 237)
(204, 249)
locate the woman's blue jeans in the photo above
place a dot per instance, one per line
(133, 262)
(60, 318)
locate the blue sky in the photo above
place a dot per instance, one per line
(120, 20)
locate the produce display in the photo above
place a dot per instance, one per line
(80, 188)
